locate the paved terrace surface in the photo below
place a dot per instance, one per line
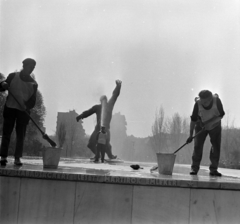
(121, 173)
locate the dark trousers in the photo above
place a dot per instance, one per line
(10, 118)
(92, 143)
(215, 139)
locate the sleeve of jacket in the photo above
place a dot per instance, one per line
(220, 107)
(89, 112)
(194, 116)
(7, 80)
(115, 94)
(32, 100)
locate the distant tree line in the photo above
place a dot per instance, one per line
(168, 134)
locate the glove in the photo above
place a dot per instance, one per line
(189, 140)
(79, 117)
(5, 85)
(27, 107)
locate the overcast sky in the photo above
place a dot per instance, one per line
(164, 51)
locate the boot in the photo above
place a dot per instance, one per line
(17, 162)
(3, 161)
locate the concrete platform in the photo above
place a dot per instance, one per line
(80, 191)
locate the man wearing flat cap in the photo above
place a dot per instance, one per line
(206, 117)
(24, 88)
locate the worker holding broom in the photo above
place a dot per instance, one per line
(206, 117)
(22, 87)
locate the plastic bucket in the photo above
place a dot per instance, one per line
(51, 157)
(165, 163)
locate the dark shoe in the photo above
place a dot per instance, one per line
(215, 173)
(17, 162)
(96, 160)
(113, 157)
(193, 172)
(3, 161)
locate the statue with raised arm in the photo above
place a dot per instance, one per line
(99, 141)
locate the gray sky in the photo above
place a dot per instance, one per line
(165, 52)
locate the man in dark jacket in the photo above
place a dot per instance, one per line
(97, 109)
(24, 88)
(207, 113)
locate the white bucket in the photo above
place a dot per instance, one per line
(51, 157)
(165, 163)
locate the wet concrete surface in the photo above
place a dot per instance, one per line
(122, 168)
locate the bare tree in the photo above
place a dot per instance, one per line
(159, 138)
(185, 126)
(176, 129)
(71, 132)
(227, 138)
(61, 134)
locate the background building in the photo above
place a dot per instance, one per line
(75, 138)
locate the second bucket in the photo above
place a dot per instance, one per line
(165, 163)
(51, 157)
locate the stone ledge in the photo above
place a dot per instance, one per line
(127, 178)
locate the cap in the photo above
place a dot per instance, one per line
(29, 61)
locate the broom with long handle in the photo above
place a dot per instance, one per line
(44, 135)
(204, 124)
(192, 138)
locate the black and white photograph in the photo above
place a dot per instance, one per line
(119, 111)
